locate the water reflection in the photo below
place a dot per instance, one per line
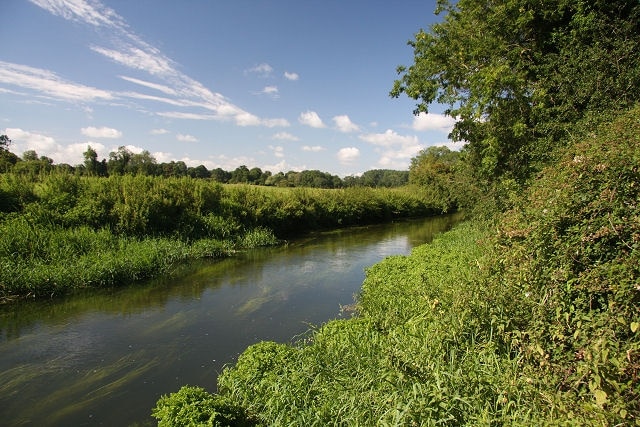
(104, 357)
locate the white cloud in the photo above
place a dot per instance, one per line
(278, 151)
(49, 83)
(271, 91)
(129, 50)
(431, 121)
(103, 132)
(263, 69)
(396, 149)
(81, 11)
(162, 88)
(291, 76)
(158, 132)
(348, 155)
(388, 138)
(186, 138)
(314, 149)
(150, 59)
(47, 146)
(311, 118)
(285, 136)
(344, 124)
(274, 123)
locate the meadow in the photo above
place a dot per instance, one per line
(60, 231)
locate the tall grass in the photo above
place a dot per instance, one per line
(60, 232)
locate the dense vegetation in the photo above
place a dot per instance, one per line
(529, 313)
(60, 231)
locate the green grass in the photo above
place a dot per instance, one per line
(531, 319)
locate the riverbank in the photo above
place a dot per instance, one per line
(61, 232)
(528, 319)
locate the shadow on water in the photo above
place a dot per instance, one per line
(104, 357)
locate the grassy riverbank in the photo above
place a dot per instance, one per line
(531, 318)
(60, 232)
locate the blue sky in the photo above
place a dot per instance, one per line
(276, 84)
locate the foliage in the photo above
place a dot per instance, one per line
(193, 406)
(438, 171)
(519, 74)
(532, 319)
(61, 231)
(573, 247)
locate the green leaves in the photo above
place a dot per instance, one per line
(514, 72)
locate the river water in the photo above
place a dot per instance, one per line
(105, 357)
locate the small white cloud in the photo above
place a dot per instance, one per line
(291, 76)
(103, 132)
(285, 136)
(186, 138)
(278, 151)
(271, 91)
(311, 118)
(276, 123)
(344, 124)
(431, 121)
(348, 155)
(159, 132)
(314, 149)
(263, 69)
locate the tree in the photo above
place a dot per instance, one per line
(518, 74)
(91, 161)
(30, 155)
(142, 163)
(434, 169)
(200, 171)
(7, 158)
(119, 161)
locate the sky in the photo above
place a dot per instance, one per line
(283, 85)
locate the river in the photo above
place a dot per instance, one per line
(105, 357)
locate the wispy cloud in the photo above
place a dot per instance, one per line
(285, 136)
(344, 124)
(162, 88)
(278, 151)
(291, 76)
(126, 48)
(186, 138)
(314, 149)
(159, 131)
(263, 70)
(311, 118)
(103, 132)
(49, 83)
(271, 91)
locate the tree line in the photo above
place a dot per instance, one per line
(124, 162)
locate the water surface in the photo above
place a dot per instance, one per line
(105, 357)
